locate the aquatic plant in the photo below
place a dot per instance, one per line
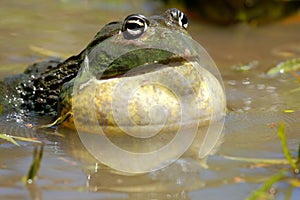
(285, 67)
(283, 174)
(12, 139)
(35, 165)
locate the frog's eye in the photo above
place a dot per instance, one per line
(134, 26)
(180, 17)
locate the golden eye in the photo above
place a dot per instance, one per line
(134, 26)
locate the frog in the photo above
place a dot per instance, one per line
(142, 83)
(39, 86)
(48, 87)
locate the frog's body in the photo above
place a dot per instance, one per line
(46, 85)
(39, 87)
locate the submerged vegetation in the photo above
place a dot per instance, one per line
(285, 67)
(35, 165)
(284, 174)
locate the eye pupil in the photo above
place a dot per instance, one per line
(134, 26)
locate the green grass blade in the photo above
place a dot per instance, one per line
(266, 186)
(9, 139)
(24, 139)
(298, 161)
(285, 150)
(12, 139)
(35, 165)
(268, 161)
(57, 122)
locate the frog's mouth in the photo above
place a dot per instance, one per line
(142, 61)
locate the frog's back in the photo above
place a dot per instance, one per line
(38, 88)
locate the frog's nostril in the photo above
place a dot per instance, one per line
(134, 26)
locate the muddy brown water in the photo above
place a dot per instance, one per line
(257, 103)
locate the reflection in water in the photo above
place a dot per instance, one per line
(183, 174)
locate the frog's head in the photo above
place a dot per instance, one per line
(139, 26)
(121, 46)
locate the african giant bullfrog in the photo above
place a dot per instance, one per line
(155, 56)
